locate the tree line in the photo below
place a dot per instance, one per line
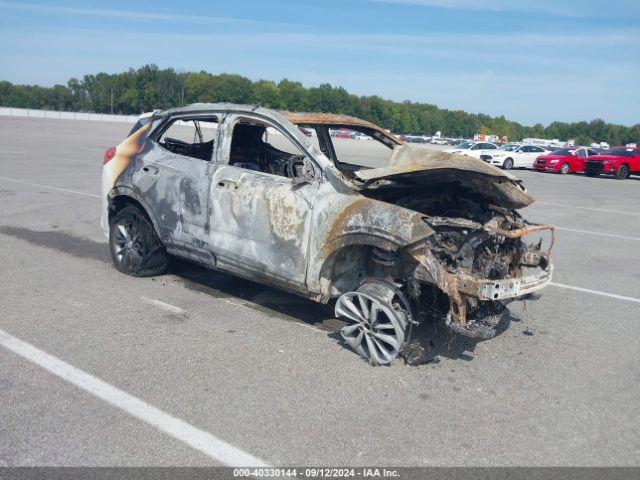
(149, 87)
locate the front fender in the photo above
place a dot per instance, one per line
(390, 226)
(363, 221)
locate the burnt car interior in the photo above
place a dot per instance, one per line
(190, 137)
(250, 149)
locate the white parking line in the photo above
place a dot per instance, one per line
(624, 212)
(200, 440)
(610, 235)
(164, 306)
(596, 292)
(50, 187)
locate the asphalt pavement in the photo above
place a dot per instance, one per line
(199, 368)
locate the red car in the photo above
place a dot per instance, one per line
(620, 162)
(564, 160)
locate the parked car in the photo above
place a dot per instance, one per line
(620, 162)
(513, 155)
(472, 149)
(392, 246)
(361, 136)
(564, 160)
(342, 133)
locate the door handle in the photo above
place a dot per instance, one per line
(150, 170)
(227, 184)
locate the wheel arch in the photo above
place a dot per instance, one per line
(345, 265)
(623, 164)
(121, 197)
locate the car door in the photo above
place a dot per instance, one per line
(577, 161)
(174, 179)
(527, 155)
(260, 221)
(520, 156)
(634, 162)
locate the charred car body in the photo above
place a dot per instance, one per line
(427, 232)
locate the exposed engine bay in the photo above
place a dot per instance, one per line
(480, 246)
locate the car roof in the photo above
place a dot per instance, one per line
(296, 118)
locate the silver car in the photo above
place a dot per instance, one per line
(392, 234)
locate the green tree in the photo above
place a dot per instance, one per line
(149, 87)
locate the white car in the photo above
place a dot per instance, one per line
(513, 155)
(472, 149)
(361, 136)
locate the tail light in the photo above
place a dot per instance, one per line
(109, 153)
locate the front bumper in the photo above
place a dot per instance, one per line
(547, 167)
(505, 289)
(594, 168)
(492, 160)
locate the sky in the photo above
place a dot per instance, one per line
(529, 60)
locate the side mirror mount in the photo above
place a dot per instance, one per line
(305, 173)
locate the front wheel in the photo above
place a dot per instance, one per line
(622, 172)
(565, 168)
(379, 317)
(508, 164)
(135, 247)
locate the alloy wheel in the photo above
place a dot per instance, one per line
(376, 330)
(128, 246)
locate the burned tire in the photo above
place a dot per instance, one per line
(507, 164)
(565, 168)
(379, 319)
(135, 247)
(623, 172)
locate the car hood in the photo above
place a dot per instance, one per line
(413, 165)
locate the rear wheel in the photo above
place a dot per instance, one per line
(135, 248)
(379, 317)
(565, 168)
(622, 172)
(508, 164)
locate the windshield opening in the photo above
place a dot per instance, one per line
(351, 147)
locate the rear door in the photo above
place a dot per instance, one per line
(174, 179)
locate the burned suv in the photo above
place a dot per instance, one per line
(393, 234)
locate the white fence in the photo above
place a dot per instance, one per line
(98, 117)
